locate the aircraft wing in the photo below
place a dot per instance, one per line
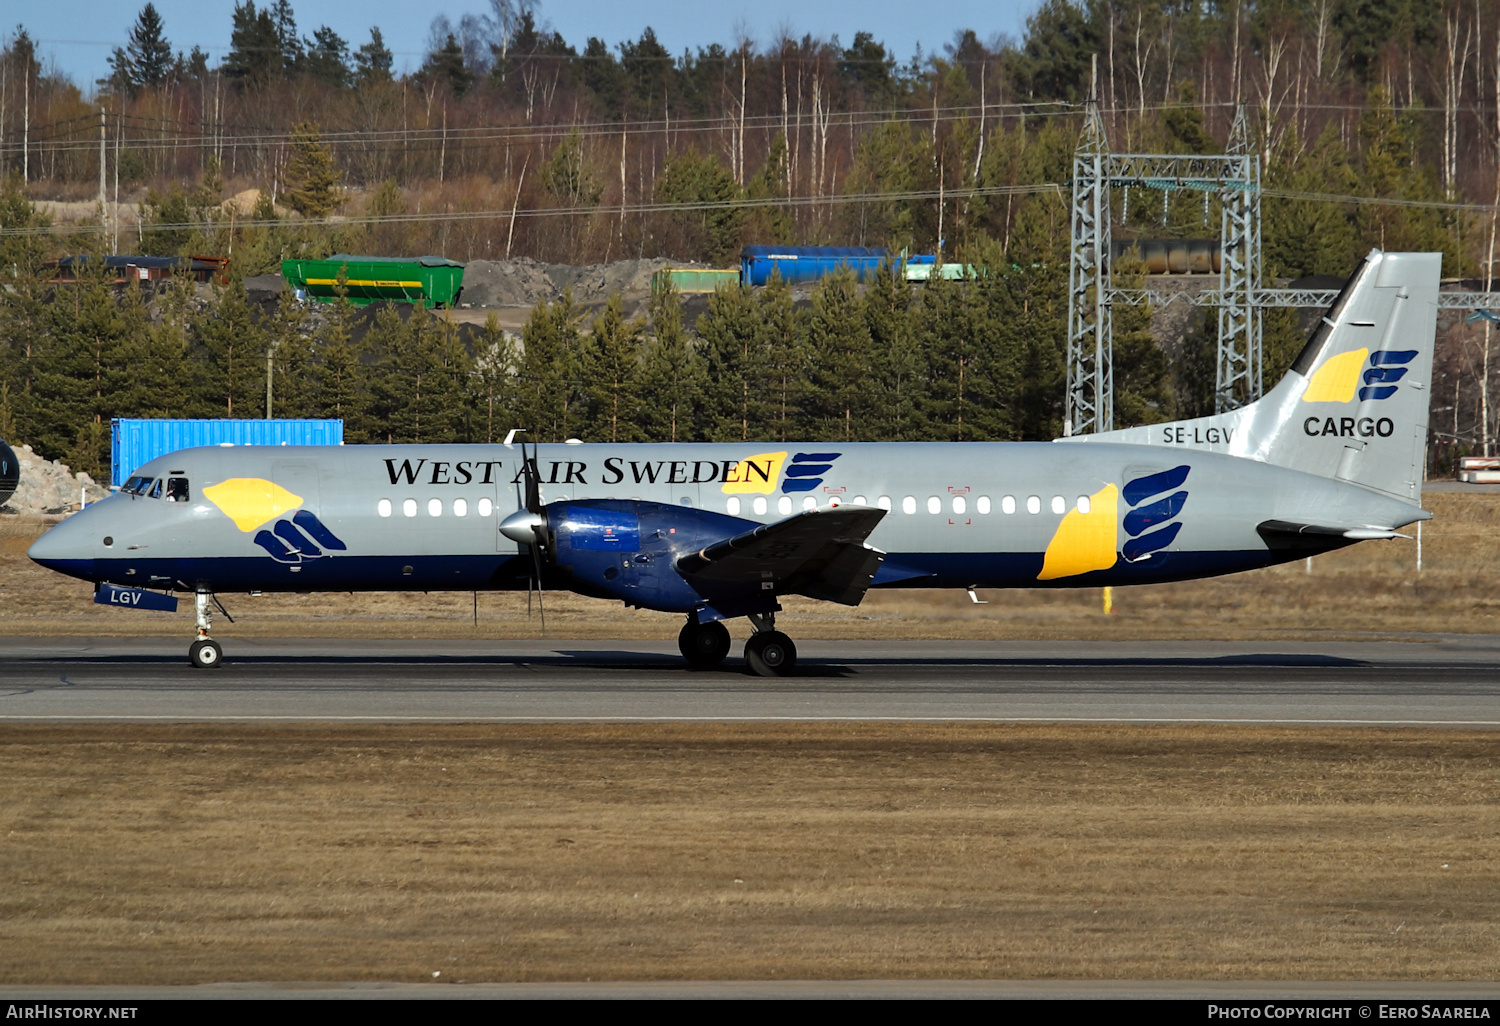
(820, 553)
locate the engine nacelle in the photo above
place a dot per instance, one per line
(627, 550)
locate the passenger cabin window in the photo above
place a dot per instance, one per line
(155, 492)
(177, 489)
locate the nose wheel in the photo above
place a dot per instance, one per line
(204, 653)
(704, 645)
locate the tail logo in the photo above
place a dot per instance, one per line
(1387, 366)
(302, 538)
(1153, 525)
(1344, 375)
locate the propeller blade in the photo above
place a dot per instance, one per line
(533, 479)
(536, 563)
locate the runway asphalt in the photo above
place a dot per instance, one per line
(1447, 680)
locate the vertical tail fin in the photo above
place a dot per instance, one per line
(1354, 405)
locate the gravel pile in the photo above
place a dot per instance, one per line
(48, 487)
(525, 282)
(503, 283)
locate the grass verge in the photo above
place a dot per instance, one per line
(196, 853)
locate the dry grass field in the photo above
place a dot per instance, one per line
(196, 853)
(1372, 587)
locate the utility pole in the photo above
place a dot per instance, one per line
(103, 209)
(26, 123)
(270, 350)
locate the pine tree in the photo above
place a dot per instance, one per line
(327, 58)
(896, 362)
(448, 368)
(838, 346)
(733, 407)
(234, 353)
(294, 378)
(343, 388)
(254, 56)
(673, 376)
(612, 368)
(372, 62)
(950, 353)
(495, 377)
(312, 180)
(785, 357)
(287, 40)
(1143, 393)
(547, 393)
(446, 65)
(149, 53)
(167, 366)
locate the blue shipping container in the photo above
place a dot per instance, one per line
(804, 264)
(134, 443)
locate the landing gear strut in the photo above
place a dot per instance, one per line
(205, 652)
(704, 645)
(769, 652)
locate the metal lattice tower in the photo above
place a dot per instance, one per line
(1235, 177)
(1239, 364)
(1090, 404)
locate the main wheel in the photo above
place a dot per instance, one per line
(704, 645)
(771, 654)
(205, 654)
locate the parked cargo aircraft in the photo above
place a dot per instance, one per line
(1332, 455)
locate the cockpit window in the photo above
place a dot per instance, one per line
(177, 489)
(155, 492)
(136, 486)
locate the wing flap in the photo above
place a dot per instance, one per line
(820, 553)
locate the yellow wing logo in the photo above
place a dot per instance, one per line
(1335, 381)
(251, 501)
(1084, 541)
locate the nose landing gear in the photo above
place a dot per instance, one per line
(204, 653)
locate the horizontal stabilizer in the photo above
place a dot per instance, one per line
(820, 553)
(1286, 534)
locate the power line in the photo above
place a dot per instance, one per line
(610, 210)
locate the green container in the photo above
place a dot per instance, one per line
(695, 279)
(428, 280)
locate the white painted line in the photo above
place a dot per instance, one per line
(748, 719)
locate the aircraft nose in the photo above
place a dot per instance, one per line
(67, 548)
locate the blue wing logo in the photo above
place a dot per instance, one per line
(300, 539)
(1153, 525)
(1387, 366)
(806, 471)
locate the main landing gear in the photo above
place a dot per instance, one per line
(769, 652)
(205, 652)
(704, 646)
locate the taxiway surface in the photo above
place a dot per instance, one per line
(1449, 680)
